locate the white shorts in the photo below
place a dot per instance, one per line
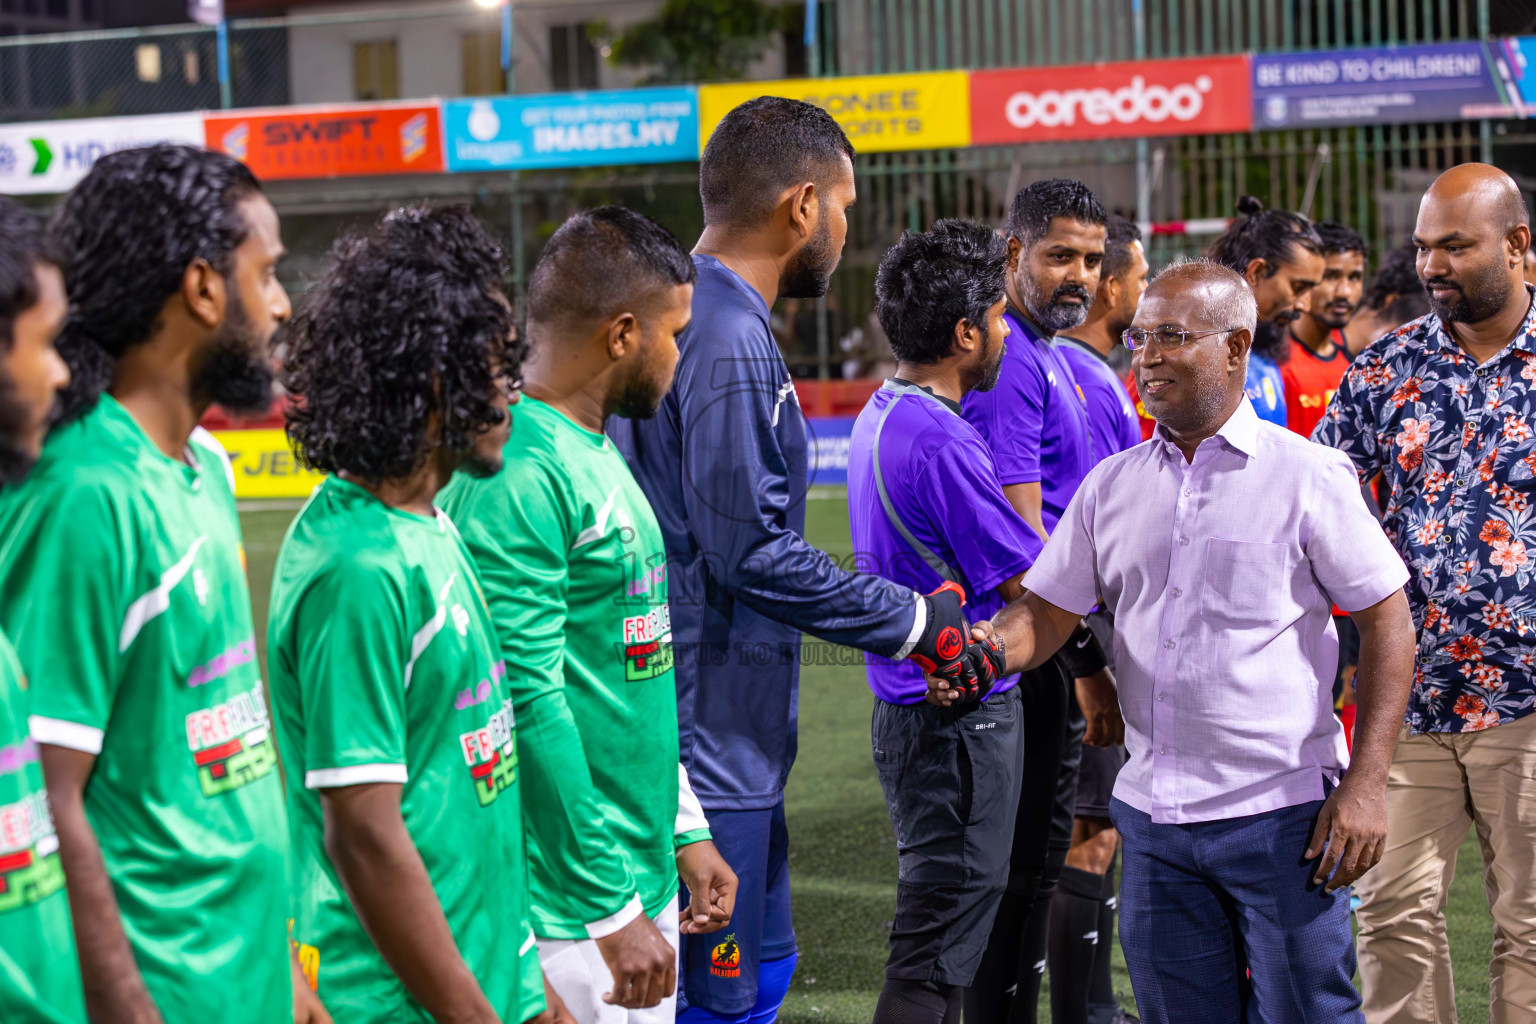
(575, 969)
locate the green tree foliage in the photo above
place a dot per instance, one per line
(695, 40)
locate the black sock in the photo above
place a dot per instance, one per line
(917, 1002)
(990, 995)
(1074, 942)
(1101, 990)
(1031, 963)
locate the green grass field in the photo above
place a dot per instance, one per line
(843, 857)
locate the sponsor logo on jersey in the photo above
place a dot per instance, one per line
(491, 754)
(1316, 401)
(231, 743)
(648, 644)
(30, 869)
(1270, 398)
(725, 959)
(308, 957)
(243, 653)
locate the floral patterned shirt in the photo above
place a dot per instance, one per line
(1453, 441)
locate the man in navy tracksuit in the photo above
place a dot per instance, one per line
(724, 464)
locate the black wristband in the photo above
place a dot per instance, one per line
(1081, 655)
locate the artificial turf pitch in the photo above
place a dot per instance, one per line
(842, 855)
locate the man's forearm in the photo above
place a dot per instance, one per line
(114, 989)
(1383, 682)
(1032, 629)
(388, 885)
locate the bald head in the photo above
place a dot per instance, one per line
(1216, 297)
(1482, 190)
(1472, 233)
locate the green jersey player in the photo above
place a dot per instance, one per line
(394, 714)
(39, 975)
(575, 574)
(122, 584)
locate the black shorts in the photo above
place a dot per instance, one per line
(1053, 740)
(1096, 779)
(951, 782)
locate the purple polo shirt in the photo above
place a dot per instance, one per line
(939, 478)
(1112, 418)
(1035, 420)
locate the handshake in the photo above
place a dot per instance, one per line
(950, 656)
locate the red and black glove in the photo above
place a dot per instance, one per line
(942, 644)
(988, 662)
(942, 649)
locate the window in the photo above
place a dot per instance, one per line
(376, 70)
(572, 57)
(482, 64)
(58, 8)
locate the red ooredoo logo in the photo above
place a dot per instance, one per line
(1098, 101)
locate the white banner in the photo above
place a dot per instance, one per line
(51, 156)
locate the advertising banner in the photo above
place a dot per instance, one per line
(51, 156)
(264, 465)
(880, 113)
(1133, 99)
(829, 437)
(332, 142)
(1519, 68)
(1394, 85)
(576, 129)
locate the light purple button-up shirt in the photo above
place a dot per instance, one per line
(1220, 573)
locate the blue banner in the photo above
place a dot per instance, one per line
(1391, 85)
(829, 437)
(1520, 67)
(575, 129)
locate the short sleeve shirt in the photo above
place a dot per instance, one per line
(1310, 382)
(939, 479)
(1221, 574)
(1035, 420)
(122, 584)
(39, 972)
(1266, 390)
(1112, 420)
(385, 669)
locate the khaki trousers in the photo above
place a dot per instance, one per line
(1440, 784)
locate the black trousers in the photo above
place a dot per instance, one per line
(1053, 743)
(951, 780)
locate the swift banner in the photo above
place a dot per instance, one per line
(1397, 85)
(51, 156)
(579, 129)
(880, 113)
(1133, 99)
(331, 142)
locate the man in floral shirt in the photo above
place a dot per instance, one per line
(1444, 409)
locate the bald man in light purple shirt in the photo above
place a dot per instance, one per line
(1219, 545)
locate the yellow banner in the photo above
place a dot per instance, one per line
(265, 466)
(880, 113)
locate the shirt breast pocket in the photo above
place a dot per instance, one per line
(1243, 580)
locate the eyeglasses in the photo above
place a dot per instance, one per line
(1166, 337)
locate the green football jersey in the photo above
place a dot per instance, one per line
(122, 584)
(39, 973)
(576, 575)
(384, 669)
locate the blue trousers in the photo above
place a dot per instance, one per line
(1221, 922)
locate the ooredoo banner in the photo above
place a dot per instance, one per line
(1209, 95)
(330, 142)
